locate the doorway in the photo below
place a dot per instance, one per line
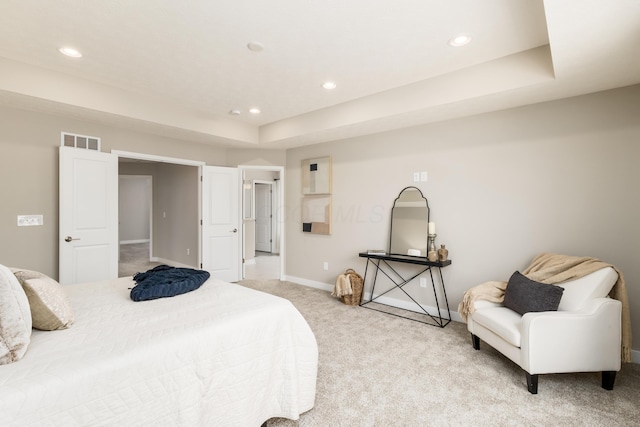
(90, 257)
(158, 212)
(264, 213)
(263, 206)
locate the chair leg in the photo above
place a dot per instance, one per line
(608, 378)
(475, 341)
(532, 383)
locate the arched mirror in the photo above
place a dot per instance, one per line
(409, 223)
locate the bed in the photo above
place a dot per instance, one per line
(222, 355)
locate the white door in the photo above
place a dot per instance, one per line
(220, 223)
(263, 217)
(88, 231)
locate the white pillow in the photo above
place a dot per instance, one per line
(595, 285)
(15, 318)
(50, 308)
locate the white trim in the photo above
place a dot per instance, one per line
(132, 242)
(410, 306)
(405, 305)
(309, 283)
(280, 209)
(155, 158)
(274, 204)
(250, 261)
(171, 263)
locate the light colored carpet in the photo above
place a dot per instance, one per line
(380, 370)
(134, 258)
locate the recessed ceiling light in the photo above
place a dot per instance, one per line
(254, 110)
(329, 85)
(255, 46)
(234, 112)
(69, 51)
(460, 40)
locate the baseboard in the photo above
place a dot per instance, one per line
(405, 305)
(251, 261)
(131, 242)
(171, 263)
(410, 306)
(309, 283)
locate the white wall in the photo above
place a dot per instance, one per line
(561, 176)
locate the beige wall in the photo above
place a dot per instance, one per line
(134, 206)
(29, 144)
(560, 176)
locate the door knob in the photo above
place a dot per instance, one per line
(69, 238)
(235, 230)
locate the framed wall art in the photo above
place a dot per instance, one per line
(316, 176)
(316, 214)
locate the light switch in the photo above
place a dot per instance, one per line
(29, 220)
(423, 176)
(416, 177)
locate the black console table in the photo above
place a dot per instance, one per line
(382, 263)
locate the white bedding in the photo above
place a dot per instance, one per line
(222, 355)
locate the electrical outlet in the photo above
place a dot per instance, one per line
(188, 251)
(325, 266)
(29, 220)
(416, 177)
(423, 176)
(423, 282)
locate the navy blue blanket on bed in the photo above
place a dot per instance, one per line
(166, 281)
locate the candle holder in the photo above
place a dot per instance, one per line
(432, 254)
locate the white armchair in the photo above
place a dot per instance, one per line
(584, 335)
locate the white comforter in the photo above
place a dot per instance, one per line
(222, 355)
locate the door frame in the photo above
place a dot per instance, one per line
(278, 208)
(176, 161)
(273, 213)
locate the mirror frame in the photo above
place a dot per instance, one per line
(395, 202)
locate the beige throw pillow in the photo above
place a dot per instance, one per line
(50, 308)
(15, 318)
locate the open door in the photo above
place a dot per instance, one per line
(88, 230)
(221, 255)
(263, 209)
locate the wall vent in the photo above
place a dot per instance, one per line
(80, 141)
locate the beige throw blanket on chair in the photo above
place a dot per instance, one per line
(555, 269)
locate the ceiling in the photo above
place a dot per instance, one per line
(178, 68)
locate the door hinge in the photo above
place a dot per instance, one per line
(201, 222)
(200, 265)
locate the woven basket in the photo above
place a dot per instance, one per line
(357, 285)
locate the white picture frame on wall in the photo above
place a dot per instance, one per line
(316, 176)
